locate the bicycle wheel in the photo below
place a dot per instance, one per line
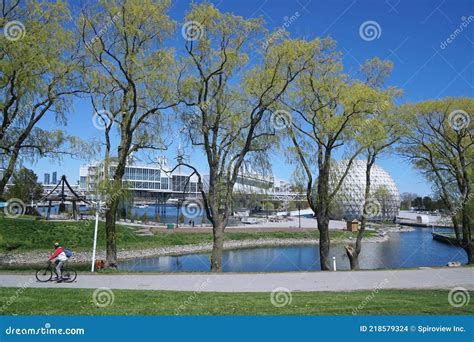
(43, 275)
(69, 275)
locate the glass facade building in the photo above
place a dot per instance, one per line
(140, 178)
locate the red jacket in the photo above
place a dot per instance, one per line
(58, 251)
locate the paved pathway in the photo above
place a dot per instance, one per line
(445, 278)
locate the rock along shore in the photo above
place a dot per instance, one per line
(39, 257)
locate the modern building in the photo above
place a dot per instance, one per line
(384, 202)
(151, 182)
(55, 178)
(145, 181)
(46, 179)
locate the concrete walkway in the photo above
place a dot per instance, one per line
(445, 278)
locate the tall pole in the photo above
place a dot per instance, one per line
(95, 237)
(299, 215)
(177, 213)
(96, 228)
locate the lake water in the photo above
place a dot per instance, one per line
(169, 213)
(404, 249)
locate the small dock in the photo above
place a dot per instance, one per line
(412, 223)
(446, 238)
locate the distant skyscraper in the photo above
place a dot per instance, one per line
(46, 178)
(55, 178)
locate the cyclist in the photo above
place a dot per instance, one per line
(61, 259)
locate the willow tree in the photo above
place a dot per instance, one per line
(129, 77)
(228, 99)
(377, 134)
(39, 72)
(329, 107)
(439, 142)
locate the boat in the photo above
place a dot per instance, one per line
(142, 206)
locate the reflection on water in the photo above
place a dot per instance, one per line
(407, 249)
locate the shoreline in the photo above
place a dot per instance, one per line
(40, 257)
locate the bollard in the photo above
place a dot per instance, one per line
(334, 263)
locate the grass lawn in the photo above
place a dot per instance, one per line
(137, 302)
(25, 234)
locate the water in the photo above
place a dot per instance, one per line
(405, 249)
(168, 213)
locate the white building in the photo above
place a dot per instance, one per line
(143, 180)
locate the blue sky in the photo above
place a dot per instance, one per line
(412, 34)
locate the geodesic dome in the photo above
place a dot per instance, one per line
(384, 202)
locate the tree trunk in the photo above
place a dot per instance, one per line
(111, 214)
(217, 247)
(111, 236)
(470, 253)
(466, 234)
(353, 257)
(8, 172)
(322, 211)
(457, 230)
(324, 243)
(351, 251)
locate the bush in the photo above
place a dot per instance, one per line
(144, 218)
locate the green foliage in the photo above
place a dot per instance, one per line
(29, 234)
(40, 71)
(439, 143)
(228, 100)
(144, 217)
(25, 186)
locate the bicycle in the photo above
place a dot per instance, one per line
(45, 274)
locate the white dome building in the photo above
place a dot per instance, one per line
(384, 202)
